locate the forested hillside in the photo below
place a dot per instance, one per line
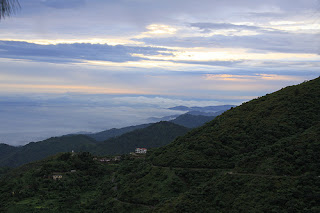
(192, 121)
(155, 135)
(275, 134)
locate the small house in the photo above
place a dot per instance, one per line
(141, 150)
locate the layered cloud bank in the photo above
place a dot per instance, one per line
(137, 45)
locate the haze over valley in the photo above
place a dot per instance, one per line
(34, 118)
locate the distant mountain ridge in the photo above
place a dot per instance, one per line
(206, 113)
(105, 135)
(209, 111)
(38, 150)
(201, 109)
(165, 118)
(192, 121)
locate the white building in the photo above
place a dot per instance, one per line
(141, 150)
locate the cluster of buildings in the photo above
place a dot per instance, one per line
(58, 176)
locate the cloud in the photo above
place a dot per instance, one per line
(63, 4)
(76, 52)
(161, 29)
(251, 78)
(207, 27)
(273, 41)
(230, 63)
(268, 15)
(162, 102)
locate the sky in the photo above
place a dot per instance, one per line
(111, 63)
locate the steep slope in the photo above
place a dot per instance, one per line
(265, 135)
(191, 121)
(156, 135)
(39, 150)
(105, 135)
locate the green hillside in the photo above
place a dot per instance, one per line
(269, 135)
(155, 135)
(262, 156)
(111, 133)
(192, 121)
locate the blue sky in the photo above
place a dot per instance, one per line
(203, 52)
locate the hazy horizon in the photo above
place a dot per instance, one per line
(34, 118)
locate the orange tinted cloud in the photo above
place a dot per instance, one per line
(242, 78)
(67, 88)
